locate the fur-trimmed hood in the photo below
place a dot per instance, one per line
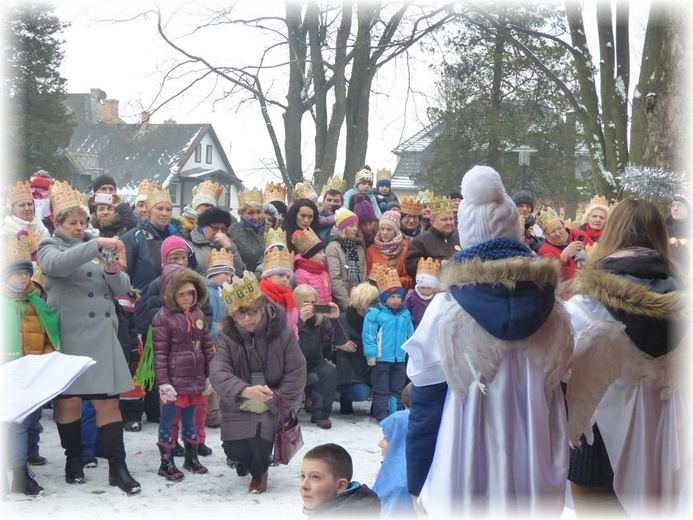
(172, 277)
(510, 298)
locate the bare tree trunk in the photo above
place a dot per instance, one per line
(493, 157)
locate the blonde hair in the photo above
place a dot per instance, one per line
(301, 294)
(591, 208)
(248, 205)
(363, 296)
(359, 235)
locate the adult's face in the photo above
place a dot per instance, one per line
(304, 217)
(269, 221)
(678, 210)
(141, 209)
(556, 234)
(107, 188)
(210, 231)
(524, 210)
(455, 205)
(368, 228)
(74, 225)
(280, 220)
(105, 210)
(160, 215)
(331, 203)
(426, 211)
(410, 222)
(597, 219)
(23, 209)
(254, 213)
(443, 222)
(387, 233)
(248, 320)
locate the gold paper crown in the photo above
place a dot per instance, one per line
(212, 188)
(34, 240)
(253, 196)
(441, 205)
(428, 266)
(220, 257)
(598, 199)
(157, 195)
(63, 197)
(302, 190)
(387, 279)
(411, 206)
(375, 270)
(425, 196)
(37, 277)
(305, 240)
(17, 249)
(275, 191)
(335, 183)
(579, 211)
(278, 258)
(146, 187)
(241, 292)
(547, 216)
(362, 175)
(20, 192)
(383, 174)
(275, 237)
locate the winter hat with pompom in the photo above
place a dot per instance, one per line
(343, 217)
(391, 218)
(486, 211)
(364, 209)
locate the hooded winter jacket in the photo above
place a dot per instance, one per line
(182, 344)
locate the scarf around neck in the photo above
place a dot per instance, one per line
(282, 296)
(351, 248)
(390, 249)
(593, 233)
(308, 265)
(252, 226)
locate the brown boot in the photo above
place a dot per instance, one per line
(258, 484)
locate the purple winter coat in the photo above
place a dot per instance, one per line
(239, 353)
(181, 356)
(416, 305)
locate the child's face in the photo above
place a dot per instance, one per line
(221, 278)
(426, 291)
(393, 301)
(319, 258)
(19, 279)
(365, 187)
(383, 189)
(177, 257)
(351, 230)
(318, 485)
(185, 297)
(282, 280)
(383, 445)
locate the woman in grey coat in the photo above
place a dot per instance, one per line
(81, 283)
(257, 355)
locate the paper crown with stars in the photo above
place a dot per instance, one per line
(253, 196)
(275, 191)
(20, 192)
(241, 292)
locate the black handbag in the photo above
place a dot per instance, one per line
(288, 438)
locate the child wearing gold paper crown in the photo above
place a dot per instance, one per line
(310, 266)
(32, 328)
(386, 328)
(277, 271)
(427, 284)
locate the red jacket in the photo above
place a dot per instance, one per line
(182, 349)
(569, 267)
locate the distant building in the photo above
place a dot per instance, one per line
(177, 155)
(414, 155)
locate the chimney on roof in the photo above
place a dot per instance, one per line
(95, 94)
(109, 112)
(145, 118)
(169, 121)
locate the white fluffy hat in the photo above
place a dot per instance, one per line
(486, 212)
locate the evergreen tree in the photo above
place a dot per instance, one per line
(39, 122)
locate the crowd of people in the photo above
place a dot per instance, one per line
(488, 335)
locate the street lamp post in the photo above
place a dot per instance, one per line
(524, 152)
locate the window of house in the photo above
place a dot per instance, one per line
(208, 154)
(173, 192)
(198, 153)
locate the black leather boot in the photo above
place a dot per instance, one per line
(23, 482)
(114, 451)
(192, 463)
(71, 441)
(168, 467)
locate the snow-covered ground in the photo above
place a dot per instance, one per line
(221, 492)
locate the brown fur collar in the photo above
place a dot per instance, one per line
(507, 272)
(179, 278)
(619, 293)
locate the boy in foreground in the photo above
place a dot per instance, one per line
(326, 486)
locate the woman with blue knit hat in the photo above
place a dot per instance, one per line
(498, 341)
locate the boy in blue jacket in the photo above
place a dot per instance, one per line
(385, 330)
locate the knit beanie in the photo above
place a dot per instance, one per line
(281, 207)
(427, 280)
(523, 197)
(383, 182)
(486, 211)
(277, 260)
(102, 180)
(170, 244)
(683, 200)
(343, 217)
(271, 210)
(203, 198)
(391, 218)
(386, 294)
(364, 209)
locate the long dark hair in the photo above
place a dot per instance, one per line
(290, 221)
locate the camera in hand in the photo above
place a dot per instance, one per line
(529, 222)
